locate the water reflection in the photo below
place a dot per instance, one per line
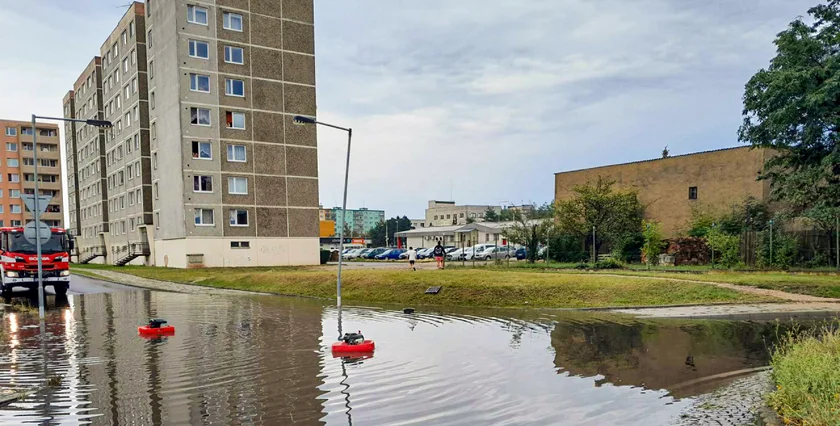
(266, 360)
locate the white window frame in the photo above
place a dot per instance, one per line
(12, 162)
(233, 186)
(11, 146)
(198, 144)
(193, 49)
(192, 16)
(198, 217)
(227, 21)
(231, 154)
(229, 87)
(229, 55)
(234, 218)
(14, 193)
(233, 116)
(11, 131)
(198, 112)
(197, 180)
(16, 209)
(194, 82)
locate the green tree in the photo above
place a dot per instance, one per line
(614, 214)
(727, 247)
(544, 211)
(490, 215)
(652, 247)
(529, 233)
(509, 215)
(793, 107)
(387, 229)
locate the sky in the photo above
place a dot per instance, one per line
(476, 101)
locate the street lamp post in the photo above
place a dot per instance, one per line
(36, 211)
(298, 119)
(771, 243)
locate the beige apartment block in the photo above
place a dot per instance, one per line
(17, 171)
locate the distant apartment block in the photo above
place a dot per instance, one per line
(671, 187)
(203, 166)
(359, 222)
(17, 171)
(447, 213)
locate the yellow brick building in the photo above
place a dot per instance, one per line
(671, 187)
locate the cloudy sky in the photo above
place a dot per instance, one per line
(480, 101)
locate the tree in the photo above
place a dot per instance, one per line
(652, 247)
(490, 215)
(793, 107)
(510, 215)
(393, 225)
(544, 211)
(529, 233)
(614, 214)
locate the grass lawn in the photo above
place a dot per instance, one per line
(807, 379)
(461, 287)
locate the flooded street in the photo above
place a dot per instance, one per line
(266, 360)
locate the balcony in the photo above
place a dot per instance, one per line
(54, 186)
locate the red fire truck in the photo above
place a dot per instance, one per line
(19, 260)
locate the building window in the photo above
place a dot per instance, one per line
(235, 120)
(203, 183)
(157, 220)
(692, 193)
(204, 217)
(200, 83)
(16, 208)
(26, 131)
(14, 193)
(125, 66)
(201, 150)
(131, 29)
(11, 146)
(234, 55)
(238, 217)
(154, 161)
(236, 153)
(12, 162)
(11, 131)
(133, 56)
(237, 244)
(436, 218)
(127, 91)
(15, 222)
(462, 215)
(14, 177)
(200, 116)
(232, 21)
(149, 39)
(200, 49)
(234, 87)
(152, 100)
(151, 70)
(156, 190)
(238, 185)
(134, 85)
(154, 131)
(197, 15)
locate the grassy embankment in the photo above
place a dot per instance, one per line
(807, 379)
(821, 284)
(461, 287)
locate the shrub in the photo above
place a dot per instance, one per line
(566, 248)
(608, 264)
(652, 246)
(785, 250)
(726, 247)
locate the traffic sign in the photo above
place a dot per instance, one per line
(42, 200)
(33, 228)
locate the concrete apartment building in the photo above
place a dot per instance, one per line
(17, 172)
(85, 149)
(359, 222)
(204, 166)
(672, 187)
(447, 213)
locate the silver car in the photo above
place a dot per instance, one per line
(497, 253)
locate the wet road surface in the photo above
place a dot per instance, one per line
(85, 285)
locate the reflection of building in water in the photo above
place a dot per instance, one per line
(231, 361)
(660, 355)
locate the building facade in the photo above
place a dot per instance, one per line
(204, 166)
(359, 222)
(18, 167)
(447, 213)
(671, 188)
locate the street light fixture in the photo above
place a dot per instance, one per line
(36, 211)
(302, 120)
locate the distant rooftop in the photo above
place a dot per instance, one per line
(657, 159)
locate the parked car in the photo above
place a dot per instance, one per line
(521, 253)
(497, 253)
(424, 253)
(375, 252)
(477, 251)
(392, 254)
(356, 254)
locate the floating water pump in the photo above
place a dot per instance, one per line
(156, 327)
(353, 342)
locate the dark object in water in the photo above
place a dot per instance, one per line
(433, 289)
(408, 310)
(157, 322)
(353, 338)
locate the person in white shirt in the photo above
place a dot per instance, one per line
(412, 258)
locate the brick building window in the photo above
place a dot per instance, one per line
(692, 192)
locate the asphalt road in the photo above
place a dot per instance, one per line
(85, 285)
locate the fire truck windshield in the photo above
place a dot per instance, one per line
(57, 243)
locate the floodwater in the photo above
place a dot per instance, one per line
(266, 360)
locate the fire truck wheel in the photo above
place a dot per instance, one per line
(60, 289)
(6, 293)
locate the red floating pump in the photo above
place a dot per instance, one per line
(156, 327)
(353, 343)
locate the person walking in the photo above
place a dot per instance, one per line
(439, 254)
(412, 258)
